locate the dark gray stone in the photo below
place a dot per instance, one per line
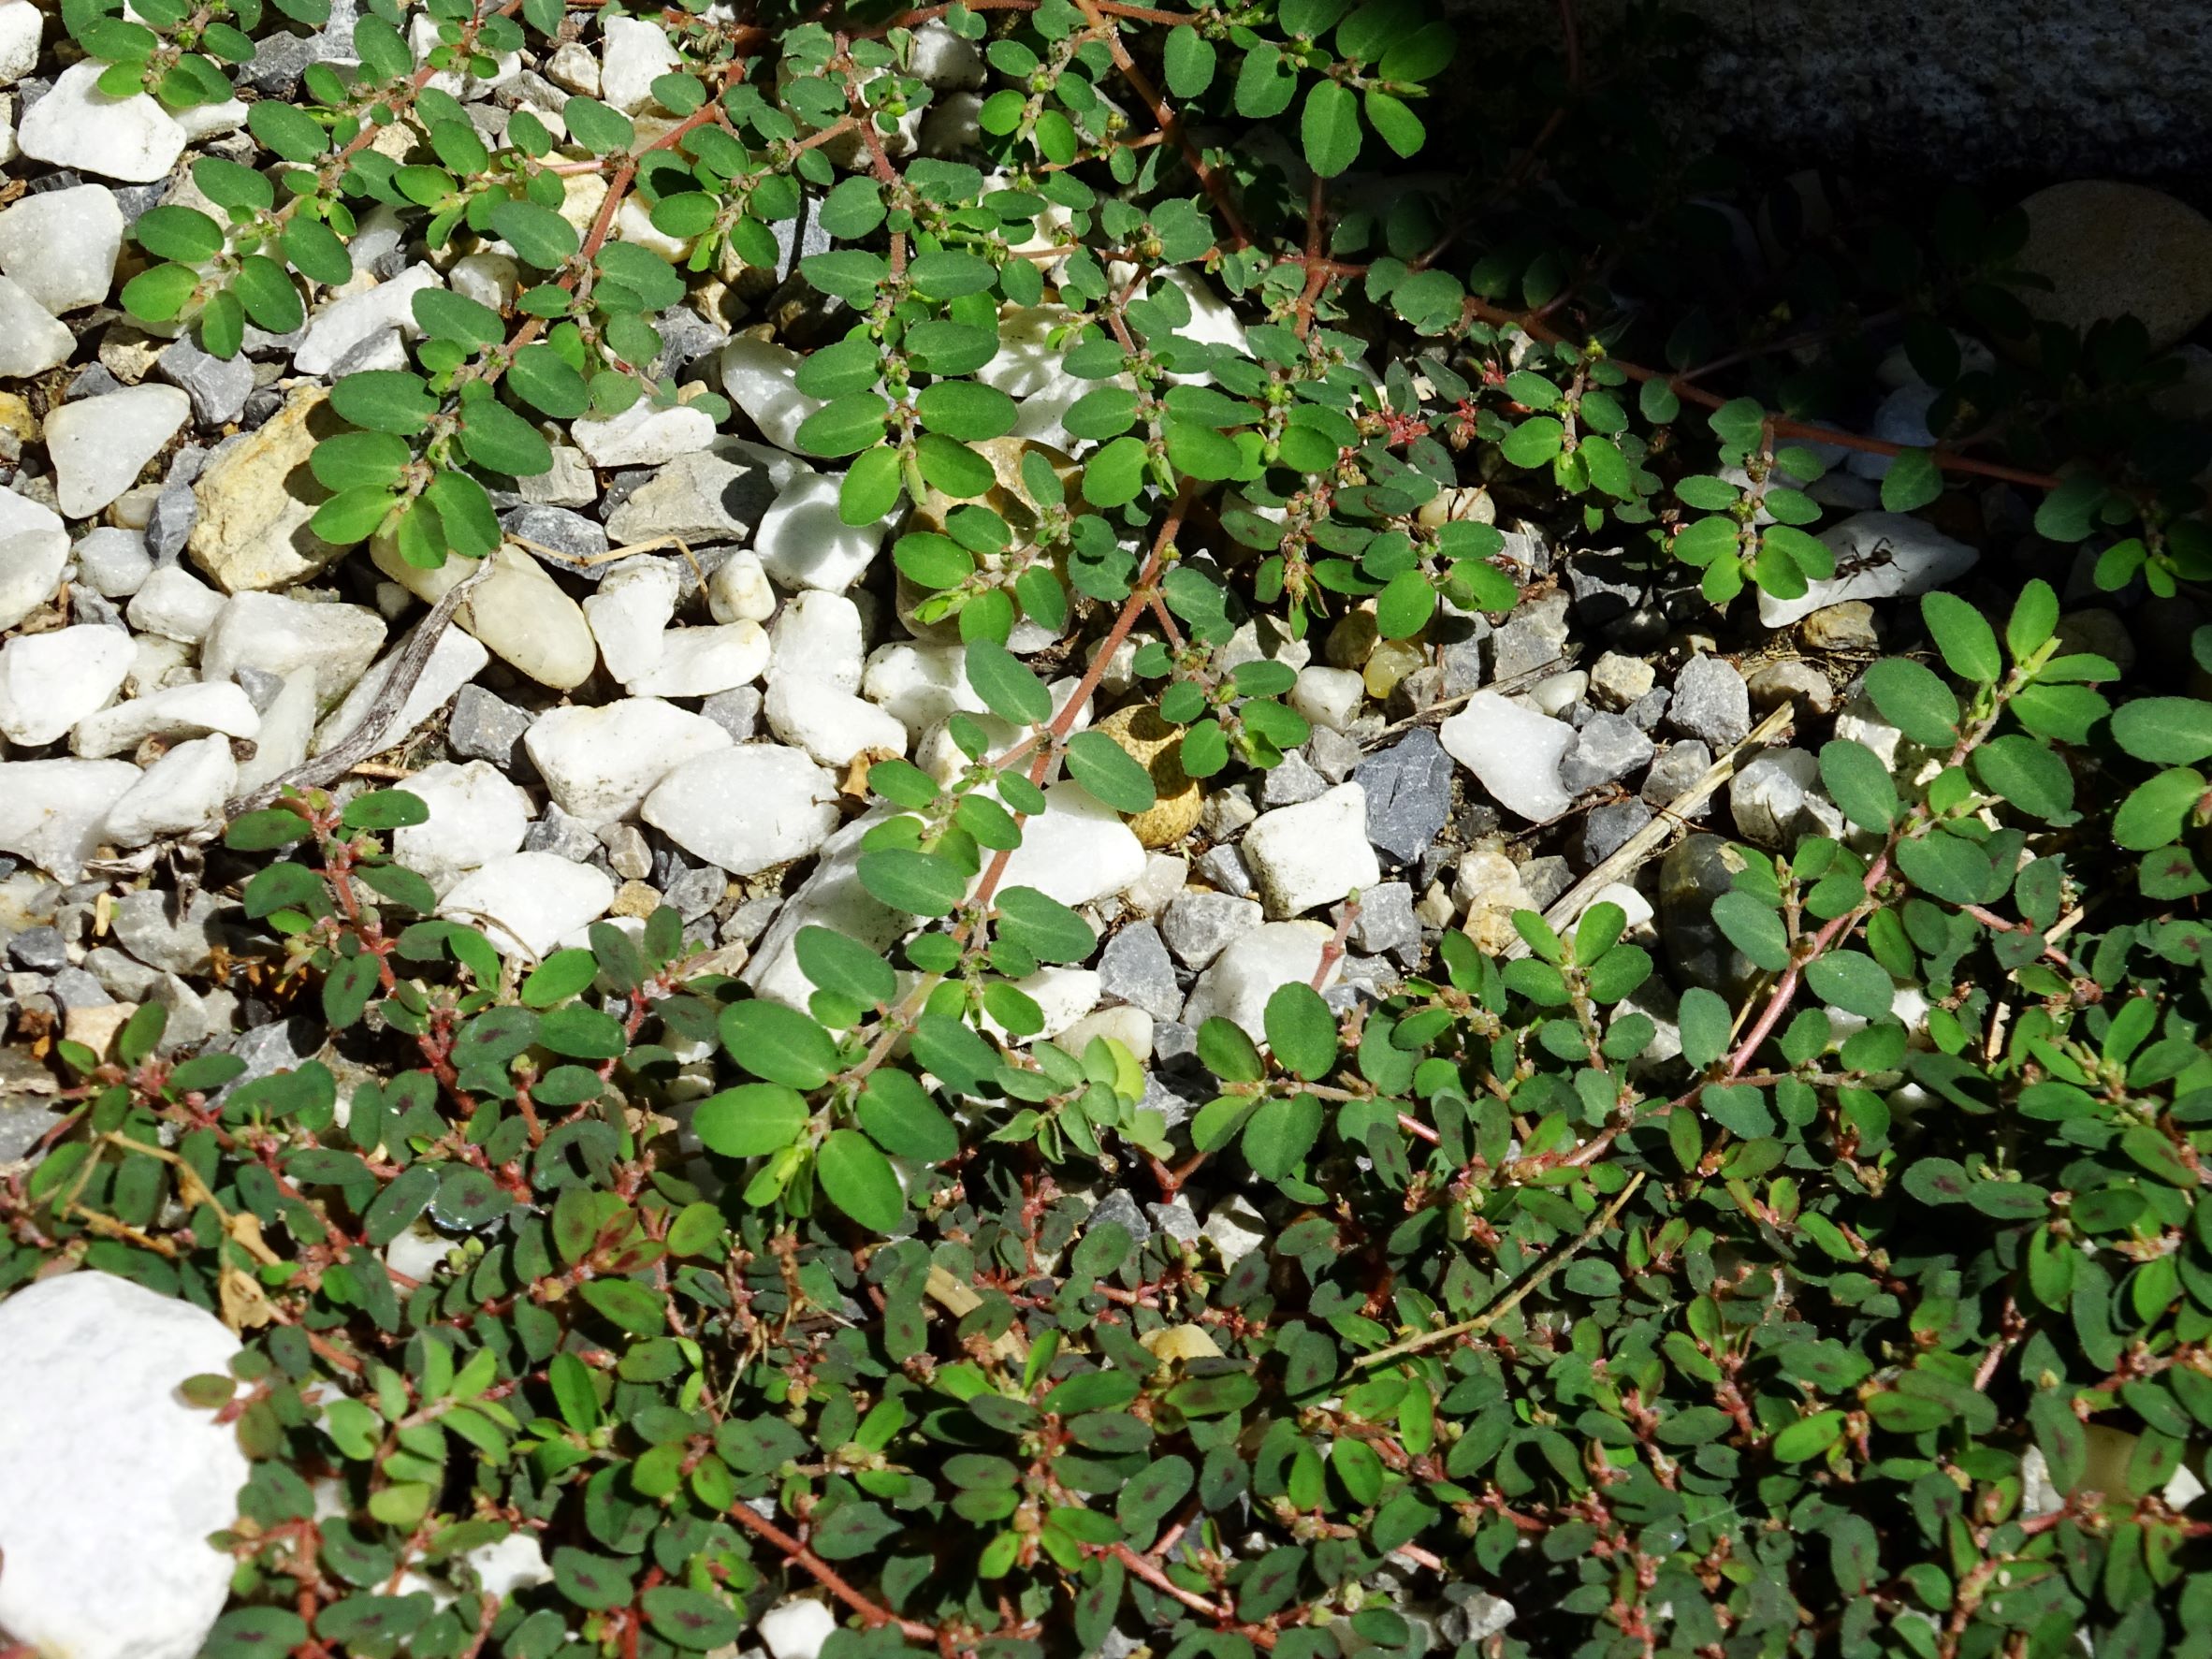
(1605, 828)
(1697, 870)
(1608, 747)
(39, 950)
(1711, 703)
(1648, 710)
(1532, 639)
(1545, 878)
(74, 988)
(1408, 791)
(1119, 1207)
(685, 337)
(91, 381)
(1135, 967)
(168, 526)
(483, 727)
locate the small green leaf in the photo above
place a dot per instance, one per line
(860, 1181)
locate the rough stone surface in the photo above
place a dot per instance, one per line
(2116, 250)
(1199, 924)
(77, 125)
(32, 338)
(1608, 747)
(257, 496)
(716, 494)
(1313, 853)
(1135, 967)
(1711, 703)
(62, 244)
(1254, 967)
(745, 809)
(600, 764)
(528, 902)
(1878, 556)
(1408, 789)
(112, 1479)
(1513, 751)
(98, 446)
(280, 636)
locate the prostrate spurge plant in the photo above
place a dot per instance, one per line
(1879, 1322)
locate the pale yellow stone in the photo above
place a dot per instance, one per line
(1156, 746)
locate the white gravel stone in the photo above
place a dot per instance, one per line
(286, 726)
(1078, 850)
(831, 898)
(77, 125)
(113, 562)
(98, 445)
(528, 902)
(634, 53)
(179, 792)
(476, 816)
(1896, 555)
(20, 514)
(31, 563)
(920, 684)
(201, 710)
(112, 1481)
(1063, 996)
(62, 246)
(804, 543)
(176, 604)
(700, 662)
(1235, 1227)
(796, 1629)
(343, 324)
(1252, 968)
(819, 633)
(20, 24)
(1330, 697)
(279, 634)
(759, 376)
(831, 724)
(457, 659)
(629, 611)
(599, 763)
(50, 681)
(738, 591)
(31, 340)
(54, 813)
(642, 435)
(1514, 750)
(745, 809)
(1313, 853)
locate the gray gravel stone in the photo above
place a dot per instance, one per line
(1118, 1206)
(1224, 869)
(1333, 754)
(1386, 923)
(1545, 878)
(1176, 1221)
(483, 727)
(1648, 710)
(147, 925)
(557, 831)
(39, 950)
(1682, 766)
(568, 533)
(1532, 638)
(1135, 967)
(1605, 828)
(1199, 925)
(1291, 783)
(1171, 1104)
(22, 1121)
(217, 386)
(695, 891)
(123, 979)
(1408, 789)
(74, 988)
(1711, 703)
(1608, 747)
(176, 510)
(282, 1045)
(736, 711)
(1172, 1040)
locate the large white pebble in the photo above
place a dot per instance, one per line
(601, 762)
(747, 808)
(819, 633)
(1079, 850)
(1252, 968)
(62, 246)
(803, 543)
(1313, 853)
(629, 611)
(32, 338)
(197, 710)
(31, 563)
(50, 681)
(700, 662)
(476, 815)
(56, 812)
(98, 445)
(1515, 752)
(833, 725)
(527, 902)
(760, 377)
(179, 792)
(78, 125)
(113, 1482)
(279, 635)
(796, 1629)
